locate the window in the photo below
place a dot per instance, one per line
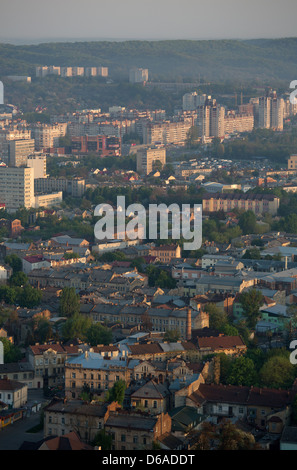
(123, 438)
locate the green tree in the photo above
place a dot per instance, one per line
(217, 316)
(14, 262)
(11, 352)
(69, 302)
(76, 326)
(18, 279)
(117, 392)
(247, 222)
(277, 372)
(43, 332)
(98, 334)
(172, 336)
(29, 297)
(242, 372)
(103, 440)
(251, 301)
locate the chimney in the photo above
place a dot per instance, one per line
(189, 325)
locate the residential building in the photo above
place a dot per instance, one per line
(271, 112)
(166, 253)
(17, 187)
(147, 158)
(13, 393)
(62, 417)
(38, 162)
(138, 75)
(136, 431)
(19, 150)
(257, 203)
(100, 373)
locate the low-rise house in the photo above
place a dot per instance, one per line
(152, 397)
(13, 393)
(62, 417)
(22, 372)
(69, 441)
(185, 419)
(231, 345)
(132, 430)
(258, 406)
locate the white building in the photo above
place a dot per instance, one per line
(17, 187)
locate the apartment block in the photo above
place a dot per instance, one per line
(138, 75)
(236, 122)
(19, 150)
(75, 187)
(47, 136)
(257, 203)
(271, 112)
(17, 187)
(38, 163)
(147, 157)
(210, 119)
(166, 132)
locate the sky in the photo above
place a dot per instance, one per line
(54, 20)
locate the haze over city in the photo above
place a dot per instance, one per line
(42, 21)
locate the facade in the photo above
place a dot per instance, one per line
(271, 112)
(103, 145)
(47, 136)
(146, 158)
(38, 162)
(62, 417)
(75, 186)
(13, 393)
(19, 151)
(292, 162)
(100, 373)
(166, 132)
(48, 361)
(210, 120)
(136, 431)
(138, 75)
(258, 203)
(236, 122)
(48, 200)
(17, 187)
(166, 253)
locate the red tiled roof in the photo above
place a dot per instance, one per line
(220, 342)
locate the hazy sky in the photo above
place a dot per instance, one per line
(147, 19)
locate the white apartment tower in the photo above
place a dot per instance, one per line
(271, 112)
(17, 187)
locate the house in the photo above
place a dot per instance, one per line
(62, 417)
(69, 441)
(22, 372)
(184, 420)
(13, 393)
(232, 345)
(131, 430)
(258, 406)
(152, 397)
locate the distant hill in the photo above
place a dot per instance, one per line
(263, 59)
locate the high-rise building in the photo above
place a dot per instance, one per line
(17, 187)
(147, 157)
(210, 119)
(192, 100)
(38, 163)
(138, 75)
(47, 136)
(18, 151)
(271, 112)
